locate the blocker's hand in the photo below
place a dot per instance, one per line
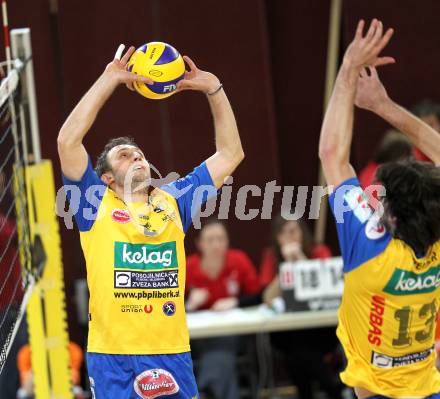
(364, 50)
(196, 79)
(370, 92)
(117, 69)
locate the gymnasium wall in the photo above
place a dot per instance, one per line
(270, 56)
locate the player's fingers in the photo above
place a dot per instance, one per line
(373, 72)
(377, 34)
(132, 77)
(385, 40)
(190, 62)
(384, 61)
(184, 84)
(130, 86)
(363, 73)
(119, 52)
(371, 30)
(127, 55)
(360, 29)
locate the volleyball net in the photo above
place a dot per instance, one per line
(17, 271)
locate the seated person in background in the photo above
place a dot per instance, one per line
(218, 278)
(306, 350)
(393, 147)
(291, 241)
(24, 365)
(429, 112)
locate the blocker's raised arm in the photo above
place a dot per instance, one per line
(337, 128)
(371, 95)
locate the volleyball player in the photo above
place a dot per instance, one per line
(391, 258)
(138, 344)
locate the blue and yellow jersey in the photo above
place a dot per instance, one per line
(391, 298)
(135, 261)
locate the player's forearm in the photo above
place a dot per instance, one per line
(337, 128)
(227, 138)
(421, 134)
(84, 114)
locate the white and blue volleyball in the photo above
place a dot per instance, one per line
(160, 62)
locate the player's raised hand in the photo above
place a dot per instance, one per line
(196, 79)
(370, 92)
(364, 50)
(117, 69)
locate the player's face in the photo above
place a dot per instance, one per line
(128, 161)
(290, 232)
(213, 241)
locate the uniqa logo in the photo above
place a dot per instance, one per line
(404, 282)
(145, 256)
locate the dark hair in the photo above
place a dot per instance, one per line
(427, 107)
(102, 165)
(278, 223)
(393, 147)
(413, 198)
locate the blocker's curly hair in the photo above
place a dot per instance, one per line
(413, 198)
(102, 165)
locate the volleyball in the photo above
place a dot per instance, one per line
(160, 62)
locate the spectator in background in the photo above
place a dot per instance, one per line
(24, 366)
(429, 112)
(291, 241)
(218, 278)
(306, 350)
(393, 147)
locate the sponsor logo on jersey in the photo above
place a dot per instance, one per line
(169, 308)
(155, 383)
(145, 256)
(374, 229)
(147, 280)
(404, 282)
(148, 308)
(120, 216)
(357, 200)
(132, 308)
(377, 311)
(386, 362)
(146, 295)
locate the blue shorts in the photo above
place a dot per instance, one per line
(434, 396)
(141, 376)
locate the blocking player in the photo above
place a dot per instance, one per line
(391, 261)
(132, 238)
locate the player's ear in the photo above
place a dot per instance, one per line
(107, 178)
